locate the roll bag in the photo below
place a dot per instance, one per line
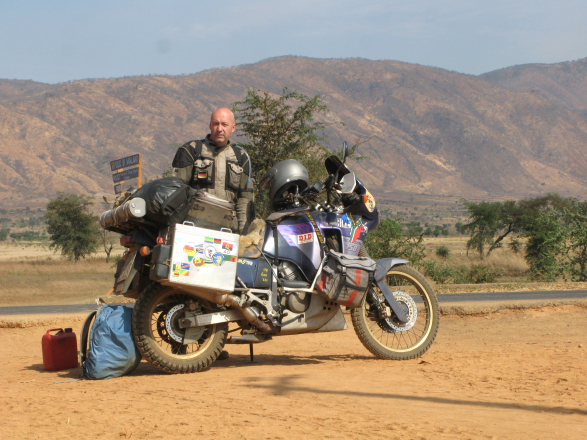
(346, 278)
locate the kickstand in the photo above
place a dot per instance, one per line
(252, 361)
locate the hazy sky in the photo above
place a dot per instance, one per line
(61, 40)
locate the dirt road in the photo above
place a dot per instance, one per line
(508, 375)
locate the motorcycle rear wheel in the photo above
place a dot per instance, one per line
(388, 338)
(159, 338)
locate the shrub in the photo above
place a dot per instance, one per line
(443, 251)
(476, 274)
(438, 272)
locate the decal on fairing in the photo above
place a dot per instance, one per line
(305, 238)
(371, 204)
(292, 233)
(358, 228)
(351, 248)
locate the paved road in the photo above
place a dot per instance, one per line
(550, 295)
(445, 299)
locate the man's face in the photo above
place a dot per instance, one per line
(222, 126)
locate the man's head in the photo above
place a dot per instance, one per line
(222, 126)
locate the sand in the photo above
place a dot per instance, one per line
(514, 374)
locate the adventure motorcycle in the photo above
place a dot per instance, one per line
(279, 288)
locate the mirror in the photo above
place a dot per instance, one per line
(348, 183)
(345, 151)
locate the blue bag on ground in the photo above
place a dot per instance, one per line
(112, 352)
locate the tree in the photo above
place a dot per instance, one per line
(547, 236)
(576, 252)
(4, 233)
(492, 222)
(71, 227)
(107, 240)
(390, 240)
(281, 128)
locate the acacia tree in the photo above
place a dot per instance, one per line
(107, 240)
(72, 228)
(491, 222)
(279, 128)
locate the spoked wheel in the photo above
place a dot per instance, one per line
(380, 331)
(160, 338)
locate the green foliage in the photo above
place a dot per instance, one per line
(476, 274)
(4, 233)
(27, 236)
(71, 227)
(487, 220)
(492, 222)
(545, 247)
(390, 240)
(281, 128)
(575, 217)
(443, 251)
(438, 272)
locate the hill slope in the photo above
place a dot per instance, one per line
(438, 132)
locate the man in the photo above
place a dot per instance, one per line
(218, 167)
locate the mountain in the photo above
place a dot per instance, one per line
(438, 132)
(564, 83)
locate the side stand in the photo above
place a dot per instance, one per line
(252, 361)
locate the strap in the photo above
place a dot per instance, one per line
(197, 150)
(318, 233)
(242, 157)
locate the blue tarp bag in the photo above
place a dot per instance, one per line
(112, 351)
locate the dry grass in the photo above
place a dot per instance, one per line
(25, 251)
(49, 281)
(34, 275)
(512, 266)
(57, 320)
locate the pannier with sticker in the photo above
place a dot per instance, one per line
(346, 278)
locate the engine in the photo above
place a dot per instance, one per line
(297, 302)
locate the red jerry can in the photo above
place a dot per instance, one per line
(59, 350)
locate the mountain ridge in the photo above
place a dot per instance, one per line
(438, 132)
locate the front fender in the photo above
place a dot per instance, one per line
(383, 267)
(385, 264)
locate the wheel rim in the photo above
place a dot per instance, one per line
(390, 333)
(165, 330)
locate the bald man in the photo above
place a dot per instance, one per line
(217, 166)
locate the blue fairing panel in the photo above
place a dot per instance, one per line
(254, 272)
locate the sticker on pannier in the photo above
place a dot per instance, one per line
(346, 278)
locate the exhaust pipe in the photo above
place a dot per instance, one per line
(250, 316)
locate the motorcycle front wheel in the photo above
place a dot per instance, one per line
(160, 339)
(386, 337)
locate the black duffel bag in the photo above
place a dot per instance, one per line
(168, 200)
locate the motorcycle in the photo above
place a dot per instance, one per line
(278, 288)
